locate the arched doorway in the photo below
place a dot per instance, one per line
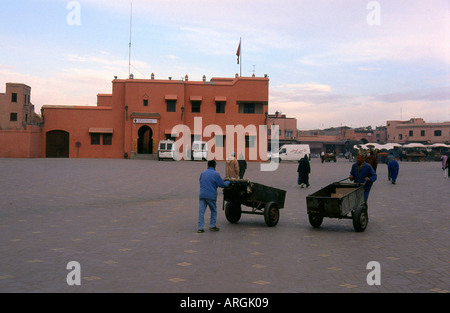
(145, 140)
(57, 144)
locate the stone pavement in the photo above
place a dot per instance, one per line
(131, 225)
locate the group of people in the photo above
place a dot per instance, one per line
(371, 157)
(363, 171)
(235, 169)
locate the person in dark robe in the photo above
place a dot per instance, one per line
(242, 166)
(303, 172)
(372, 159)
(393, 168)
(448, 167)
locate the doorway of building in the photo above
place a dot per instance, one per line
(145, 140)
(57, 144)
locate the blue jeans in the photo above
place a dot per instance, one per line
(201, 212)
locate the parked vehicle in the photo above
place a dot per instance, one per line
(199, 150)
(166, 150)
(328, 157)
(290, 153)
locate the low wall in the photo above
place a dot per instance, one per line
(21, 143)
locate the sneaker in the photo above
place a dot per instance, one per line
(215, 228)
(200, 231)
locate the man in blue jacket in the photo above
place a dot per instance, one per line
(209, 181)
(363, 172)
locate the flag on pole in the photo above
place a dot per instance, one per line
(238, 53)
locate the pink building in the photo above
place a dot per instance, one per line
(417, 130)
(19, 131)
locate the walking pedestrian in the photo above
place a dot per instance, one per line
(390, 157)
(242, 166)
(232, 167)
(303, 170)
(372, 159)
(210, 180)
(363, 172)
(448, 167)
(393, 169)
(444, 161)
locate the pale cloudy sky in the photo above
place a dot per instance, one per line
(330, 62)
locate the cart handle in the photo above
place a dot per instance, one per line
(362, 184)
(343, 180)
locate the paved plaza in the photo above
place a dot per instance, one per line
(131, 225)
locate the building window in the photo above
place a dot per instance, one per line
(251, 108)
(220, 106)
(171, 105)
(288, 133)
(422, 133)
(196, 106)
(220, 141)
(411, 133)
(95, 139)
(400, 136)
(107, 139)
(250, 141)
(14, 97)
(145, 102)
(13, 117)
(438, 133)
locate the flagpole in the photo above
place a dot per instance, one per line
(240, 56)
(129, 47)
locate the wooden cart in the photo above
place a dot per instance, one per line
(262, 200)
(338, 200)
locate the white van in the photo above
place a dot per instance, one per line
(166, 150)
(291, 153)
(199, 150)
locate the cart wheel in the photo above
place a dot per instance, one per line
(315, 220)
(233, 212)
(271, 214)
(360, 218)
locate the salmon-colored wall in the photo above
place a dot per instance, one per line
(22, 143)
(77, 121)
(131, 93)
(119, 109)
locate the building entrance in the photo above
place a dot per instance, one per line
(145, 140)
(57, 144)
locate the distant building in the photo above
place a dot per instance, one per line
(365, 134)
(417, 130)
(20, 135)
(287, 128)
(16, 109)
(139, 113)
